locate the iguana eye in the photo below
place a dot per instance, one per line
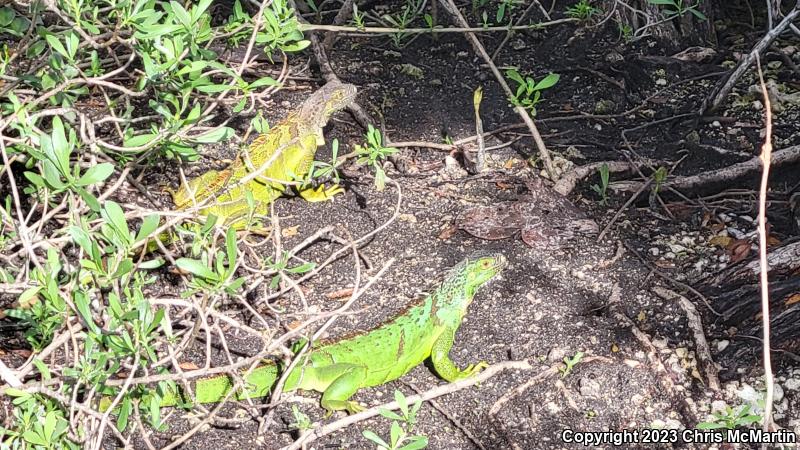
(485, 264)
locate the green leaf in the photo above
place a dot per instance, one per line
(401, 400)
(90, 199)
(234, 286)
(215, 135)
(42, 368)
(34, 178)
(374, 438)
(114, 215)
(214, 88)
(194, 66)
(33, 438)
(698, 14)
(82, 238)
(125, 409)
(230, 246)
(181, 14)
(56, 45)
(151, 264)
(149, 224)
(72, 44)
(96, 174)
(52, 175)
(196, 267)
(82, 305)
(547, 82)
(124, 268)
(139, 140)
(157, 318)
(415, 443)
(389, 414)
(28, 294)
(201, 7)
(395, 432)
(303, 268)
(6, 16)
(50, 421)
(514, 75)
(59, 148)
(296, 47)
(264, 81)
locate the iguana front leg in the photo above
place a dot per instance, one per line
(320, 193)
(444, 366)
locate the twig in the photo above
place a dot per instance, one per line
(465, 28)
(765, 157)
(22, 228)
(721, 91)
(8, 376)
(452, 9)
(653, 269)
(696, 325)
(453, 419)
(519, 22)
(569, 180)
(623, 208)
(481, 153)
(489, 372)
(787, 155)
(615, 308)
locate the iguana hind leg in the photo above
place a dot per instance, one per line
(444, 366)
(345, 380)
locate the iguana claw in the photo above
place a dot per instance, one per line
(473, 369)
(321, 193)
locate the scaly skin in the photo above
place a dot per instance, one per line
(283, 155)
(385, 353)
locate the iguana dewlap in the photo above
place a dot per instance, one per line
(340, 368)
(271, 163)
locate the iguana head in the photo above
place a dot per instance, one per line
(321, 105)
(465, 278)
(481, 267)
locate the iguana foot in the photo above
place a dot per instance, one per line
(321, 194)
(473, 369)
(338, 405)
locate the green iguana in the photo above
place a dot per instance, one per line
(340, 368)
(282, 156)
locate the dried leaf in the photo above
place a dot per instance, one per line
(794, 298)
(341, 293)
(410, 218)
(739, 249)
(492, 222)
(448, 232)
(721, 241)
(289, 231)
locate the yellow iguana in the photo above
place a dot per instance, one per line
(271, 163)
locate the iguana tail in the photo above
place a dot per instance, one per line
(213, 389)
